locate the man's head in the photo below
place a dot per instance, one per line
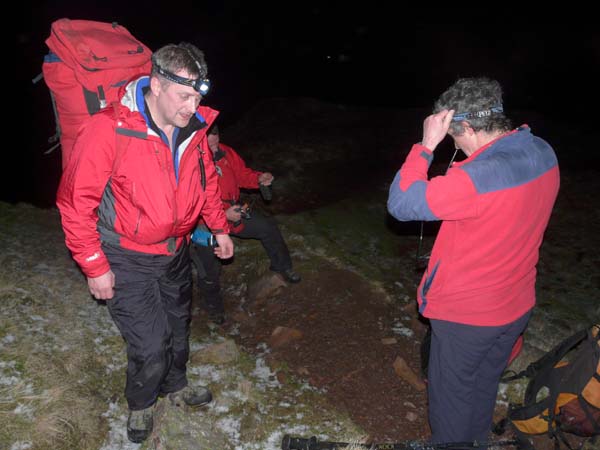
(212, 136)
(477, 103)
(178, 82)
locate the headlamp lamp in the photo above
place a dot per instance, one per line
(477, 114)
(200, 85)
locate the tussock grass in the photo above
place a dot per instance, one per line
(61, 393)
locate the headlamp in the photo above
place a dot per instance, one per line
(477, 114)
(200, 85)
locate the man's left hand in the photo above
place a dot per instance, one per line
(225, 248)
(266, 178)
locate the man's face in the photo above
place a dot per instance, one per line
(177, 102)
(461, 141)
(213, 142)
(467, 142)
(457, 140)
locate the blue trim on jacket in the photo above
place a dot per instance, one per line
(410, 204)
(512, 161)
(426, 285)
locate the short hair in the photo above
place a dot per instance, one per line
(214, 129)
(471, 95)
(184, 56)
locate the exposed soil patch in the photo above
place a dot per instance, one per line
(343, 322)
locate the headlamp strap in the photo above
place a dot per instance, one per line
(200, 85)
(477, 114)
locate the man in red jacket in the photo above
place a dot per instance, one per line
(479, 287)
(139, 177)
(233, 175)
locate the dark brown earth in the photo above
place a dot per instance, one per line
(341, 349)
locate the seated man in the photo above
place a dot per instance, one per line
(233, 175)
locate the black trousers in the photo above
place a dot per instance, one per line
(208, 266)
(152, 309)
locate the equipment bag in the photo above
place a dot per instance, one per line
(570, 374)
(88, 62)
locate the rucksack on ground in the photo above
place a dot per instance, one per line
(563, 393)
(87, 64)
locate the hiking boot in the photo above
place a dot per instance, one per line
(140, 424)
(218, 318)
(191, 396)
(290, 276)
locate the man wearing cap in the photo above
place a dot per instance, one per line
(140, 176)
(479, 287)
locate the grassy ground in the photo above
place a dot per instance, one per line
(62, 365)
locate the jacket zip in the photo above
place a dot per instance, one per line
(202, 169)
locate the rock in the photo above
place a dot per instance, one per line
(303, 371)
(389, 340)
(407, 374)
(411, 416)
(240, 316)
(176, 427)
(266, 287)
(282, 336)
(220, 353)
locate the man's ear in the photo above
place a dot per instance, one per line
(155, 86)
(467, 127)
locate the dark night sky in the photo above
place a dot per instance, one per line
(363, 54)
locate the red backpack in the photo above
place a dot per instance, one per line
(88, 62)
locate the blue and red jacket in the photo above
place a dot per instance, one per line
(495, 206)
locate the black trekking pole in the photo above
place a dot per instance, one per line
(297, 443)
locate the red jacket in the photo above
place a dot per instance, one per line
(120, 187)
(233, 175)
(495, 207)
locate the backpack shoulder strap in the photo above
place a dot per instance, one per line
(120, 143)
(122, 136)
(548, 360)
(540, 373)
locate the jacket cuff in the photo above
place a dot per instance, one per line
(421, 147)
(100, 267)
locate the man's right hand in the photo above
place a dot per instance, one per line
(225, 248)
(102, 287)
(234, 213)
(435, 128)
